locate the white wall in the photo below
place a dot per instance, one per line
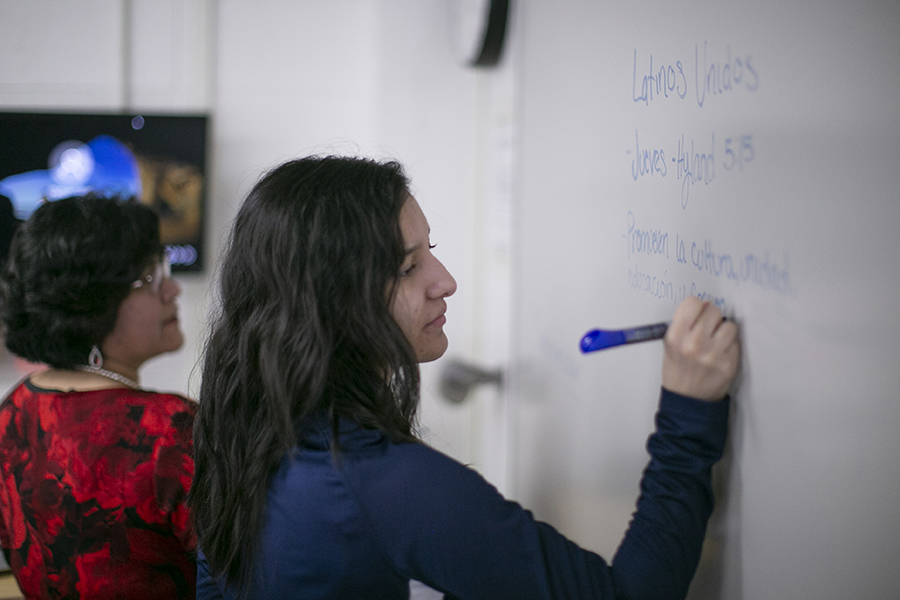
(282, 79)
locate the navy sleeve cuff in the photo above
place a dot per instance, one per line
(706, 422)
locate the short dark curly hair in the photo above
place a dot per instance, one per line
(70, 267)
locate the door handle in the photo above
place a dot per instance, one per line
(458, 378)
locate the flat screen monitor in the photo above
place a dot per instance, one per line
(158, 158)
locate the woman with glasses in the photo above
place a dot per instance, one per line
(94, 470)
(311, 481)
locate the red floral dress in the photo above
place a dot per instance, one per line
(92, 491)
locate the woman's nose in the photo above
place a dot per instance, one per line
(170, 289)
(444, 284)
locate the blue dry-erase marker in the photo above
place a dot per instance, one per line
(600, 339)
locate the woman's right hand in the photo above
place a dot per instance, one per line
(702, 352)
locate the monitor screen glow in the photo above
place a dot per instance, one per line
(160, 159)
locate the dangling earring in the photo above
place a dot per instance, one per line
(95, 358)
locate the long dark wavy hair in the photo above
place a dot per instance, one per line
(70, 267)
(303, 328)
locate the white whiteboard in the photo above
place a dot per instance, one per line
(770, 183)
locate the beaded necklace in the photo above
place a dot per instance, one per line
(111, 375)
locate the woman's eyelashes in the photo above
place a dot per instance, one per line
(405, 271)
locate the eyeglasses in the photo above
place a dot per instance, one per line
(160, 273)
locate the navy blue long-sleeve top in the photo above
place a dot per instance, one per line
(385, 513)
